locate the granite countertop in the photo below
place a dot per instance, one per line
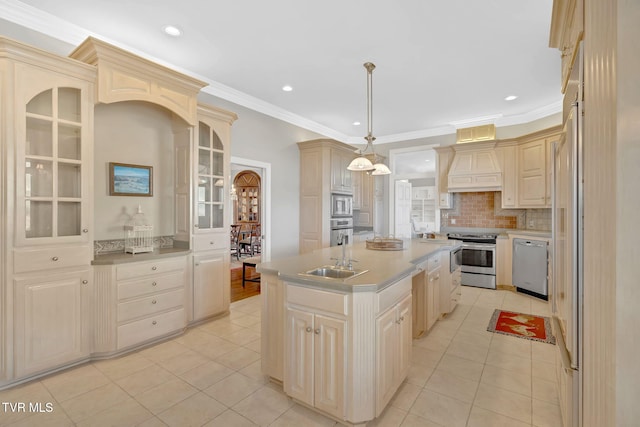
(121, 257)
(384, 267)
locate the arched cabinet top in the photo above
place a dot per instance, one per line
(123, 76)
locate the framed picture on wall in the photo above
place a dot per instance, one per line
(130, 180)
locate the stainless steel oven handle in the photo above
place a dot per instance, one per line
(480, 246)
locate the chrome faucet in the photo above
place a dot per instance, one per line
(342, 237)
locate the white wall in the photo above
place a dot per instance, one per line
(256, 136)
(136, 133)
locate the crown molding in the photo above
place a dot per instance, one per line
(52, 26)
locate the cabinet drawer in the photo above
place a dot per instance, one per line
(25, 260)
(433, 262)
(392, 294)
(150, 285)
(321, 300)
(149, 305)
(151, 327)
(207, 242)
(139, 269)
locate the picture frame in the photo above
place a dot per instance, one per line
(130, 180)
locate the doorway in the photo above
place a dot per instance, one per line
(251, 189)
(413, 177)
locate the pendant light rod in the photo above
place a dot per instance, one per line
(370, 66)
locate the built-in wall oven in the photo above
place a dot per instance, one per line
(341, 206)
(341, 231)
(478, 259)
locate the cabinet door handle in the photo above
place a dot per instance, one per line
(154, 323)
(154, 302)
(84, 282)
(154, 284)
(402, 318)
(211, 243)
(309, 329)
(55, 258)
(317, 331)
(154, 268)
(85, 230)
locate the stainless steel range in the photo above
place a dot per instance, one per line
(478, 258)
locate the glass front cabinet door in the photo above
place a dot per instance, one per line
(52, 169)
(211, 180)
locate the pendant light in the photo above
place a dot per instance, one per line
(362, 163)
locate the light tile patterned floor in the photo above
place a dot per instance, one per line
(462, 375)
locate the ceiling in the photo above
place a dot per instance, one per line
(439, 64)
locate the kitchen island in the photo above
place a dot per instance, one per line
(342, 346)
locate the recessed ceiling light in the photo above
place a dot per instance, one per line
(510, 98)
(356, 123)
(427, 160)
(172, 31)
(287, 88)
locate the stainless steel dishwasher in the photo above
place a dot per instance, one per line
(529, 267)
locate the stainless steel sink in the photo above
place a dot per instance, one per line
(332, 272)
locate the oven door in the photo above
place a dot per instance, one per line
(479, 258)
(455, 261)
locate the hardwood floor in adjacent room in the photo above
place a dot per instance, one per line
(250, 288)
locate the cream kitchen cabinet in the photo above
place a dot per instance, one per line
(46, 147)
(273, 325)
(209, 289)
(394, 341)
(532, 174)
(433, 289)
(508, 159)
(444, 157)
(210, 284)
(450, 290)
(419, 300)
(341, 177)
(52, 320)
(138, 302)
(316, 348)
(323, 170)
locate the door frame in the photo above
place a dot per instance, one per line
(394, 177)
(265, 201)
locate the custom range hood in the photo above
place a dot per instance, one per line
(475, 165)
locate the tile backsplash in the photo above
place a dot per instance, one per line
(484, 210)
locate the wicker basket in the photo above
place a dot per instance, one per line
(385, 244)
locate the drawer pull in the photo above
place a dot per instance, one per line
(211, 243)
(85, 230)
(154, 268)
(154, 323)
(55, 258)
(317, 331)
(154, 302)
(84, 282)
(154, 284)
(308, 329)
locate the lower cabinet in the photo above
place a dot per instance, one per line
(52, 320)
(273, 326)
(394, 341)
(211, 290)
(433, 297)
(419, 292)
(138, 302)
(316, 344)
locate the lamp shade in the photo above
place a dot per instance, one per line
(360, 164)
(380, 169)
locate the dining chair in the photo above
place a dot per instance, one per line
(235, 241)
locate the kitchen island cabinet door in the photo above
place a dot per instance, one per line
(394, 341)
(433, 298)
(329, 336)
(53, 321)
(298, 379)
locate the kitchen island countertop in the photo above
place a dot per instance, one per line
(384, 267)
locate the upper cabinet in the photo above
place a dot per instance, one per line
(211, 176)
(532, 174)
(341, 181)
(54, 157)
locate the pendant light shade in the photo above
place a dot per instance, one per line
(362, 163)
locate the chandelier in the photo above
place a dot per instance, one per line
(362, 163)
